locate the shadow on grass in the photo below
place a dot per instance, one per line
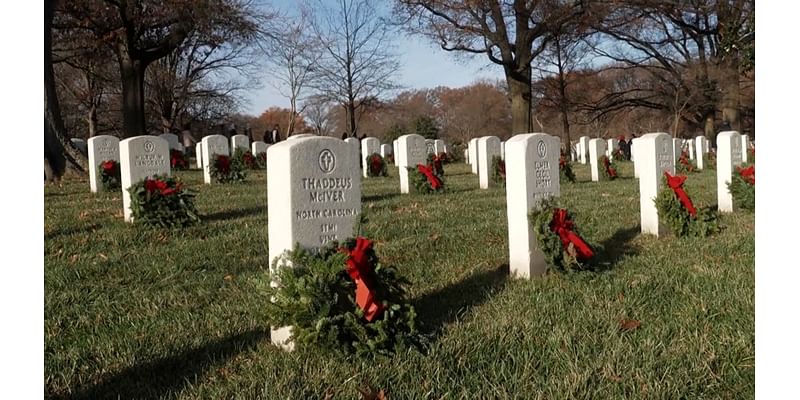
(154, 380)
(380, 197)
(441, 307)
(70, 231)
(617, 246)
(235, 214)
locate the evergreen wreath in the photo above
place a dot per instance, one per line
(565, 170)
(677, 212)
(558, 238)
(710, 160)
(609, 168)
(436, 161)
(618, 155)
(261, 160)
(161, 201)
(226, 169)
(110, 175)
(498, 170)
(177, 160)
(743, 187)
(342, 299)
(376, 166)
(247, 159)
(389, 159)
(425, 179)
(685, 165)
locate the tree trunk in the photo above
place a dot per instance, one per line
(132, 72)
(351, 117)
(58, 151)
(519, 86)
(730, 93)
(91, 119)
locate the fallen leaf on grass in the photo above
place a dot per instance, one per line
(83, 215)
(615, 378)
(621, 296)
(74, 258)
(103, 256)
(228, 277)
(369, 393)
(604, 195)
(435, 237)
(629, 324)
(329, 393)
(163, 237)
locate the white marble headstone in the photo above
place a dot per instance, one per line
(386, 150)
(677, 149)
(410, 152)
(258, 147)
(101, 148)
(141, 157)
(438, 146)
(613, 145)
(584, 149)
(729, 156)
(172, 139)
(745, 146)
(597, 149)
(488, 147)
(369, 146)
(198, 154)
(473, 155)
(531, 176)
(239, 142)
(213, 145)
(313, 197)
(654, 155)
(700, 150)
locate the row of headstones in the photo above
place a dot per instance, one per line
(479, 155)
(314, 187)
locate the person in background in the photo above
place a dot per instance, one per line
(275, 135)
(188, 140)
(624, 147)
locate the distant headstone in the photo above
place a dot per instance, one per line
(613, 145)
(531, 176)
(172, 139)
(198, 154)
(386, 150)
(654, 155)
(502, 150)
(213, 145)
(488, 147)
(677, 149)
(258, 147)
(473, 155)
(690, 146)
(430, 146)
(239, 142)
(141, 157)
(313, 197)
(745, 146)
(584, 149)
(302, 135)
(410, 152)
(729, 156)
(81, 145)
(438, 146)
(369, 146)
(597, 149)
(466, 156)
(636, 163)
(101, 148)
(355, 146)
(700, 150)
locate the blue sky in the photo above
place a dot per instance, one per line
(423, 65)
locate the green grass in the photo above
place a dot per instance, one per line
(139, 313)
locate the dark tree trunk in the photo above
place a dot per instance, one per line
(519, 86)
(730, 93)
(351, 117)
(132, 72)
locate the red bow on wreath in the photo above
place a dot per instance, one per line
(676, 184)
(437, 162)
(612, 172)
(375, 164)
(435, 182)
(360, 270)
(224, 164)
(562, 226)
(153, 185)
(109, 166)
(748, 174)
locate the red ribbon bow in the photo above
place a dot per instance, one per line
(562, 226)
(153, 185)
(676, 184)
(748, 174)
(435, 182)
(375, 164)
(109, 166)
(360, 270)
(224, 164)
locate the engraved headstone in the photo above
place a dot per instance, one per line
(240, 142)
(729, 156)
(488, 147)
(502, 150)
(141, 157)
(369, 146)
(410, 152)
(313, 197)
(699, 148)
(101, 148)
(213, 145)
(597, 149)
(654, 155)
(430, 146)
(258, 147)
(531, 176)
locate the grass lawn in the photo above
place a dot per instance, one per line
(139, 313)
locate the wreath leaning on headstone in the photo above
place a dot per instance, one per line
(226, 169)
(685, 165)
(163, 202)
(498, 170)
(676, 210)
(110, 175)
(565, 170)
(342, 299)
(376, 166)
(177, 160)
(425, 179)
(437, 161)
(743, 187)
(609, 168)
(558, 237)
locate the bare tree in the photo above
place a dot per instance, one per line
(357, 62)
(318, 113)
(510, 33)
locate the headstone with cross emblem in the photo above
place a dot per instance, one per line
(430, 146)
(488, 148)
(597, 149)
(410, 152)
(313, 197)
(729, 156)
(213, 145)
(369, 146)
(531, 176)
(141, 157)
(101, 148)
(654, 154)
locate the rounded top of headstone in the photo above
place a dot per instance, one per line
(102, 137)
(300, 136)
(728, 134)
(652, 135)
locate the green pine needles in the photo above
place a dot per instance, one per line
(316, 296)
(161, 201)
(673, 214)
(564, 259)
(743, 188)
